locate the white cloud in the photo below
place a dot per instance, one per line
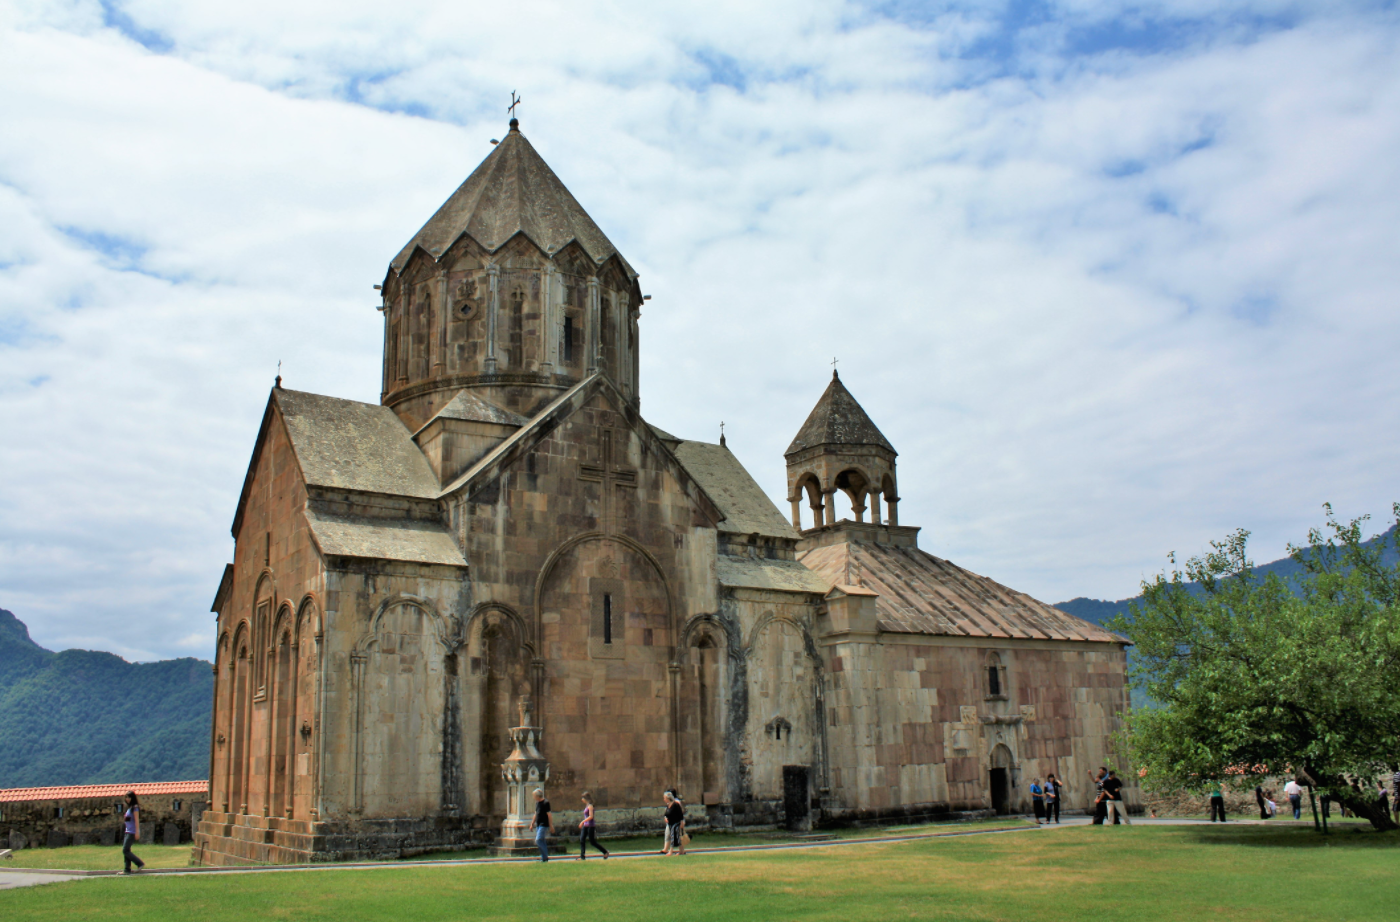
(1106, 305)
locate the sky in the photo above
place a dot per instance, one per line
(1114, 278)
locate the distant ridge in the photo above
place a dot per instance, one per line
(87, 717)
(1287, 569)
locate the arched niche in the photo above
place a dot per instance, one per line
(400, 702)
(496, 675)
(606, 694)
(784, 685)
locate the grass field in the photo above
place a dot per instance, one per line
(1138, 873)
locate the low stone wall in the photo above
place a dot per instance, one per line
(1238, 804)
(166, 819)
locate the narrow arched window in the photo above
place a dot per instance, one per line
(607, 618)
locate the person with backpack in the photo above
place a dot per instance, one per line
(131, 832)
(1037, 800)
(588, 829)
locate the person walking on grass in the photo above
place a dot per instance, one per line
(1113, 789)
(1259, 799)
(1217, 801)
(1052, 799)
(131, 832)
(1037, 800)
(542, 824)
(675, 825)
(1294, 791)
(588, 829)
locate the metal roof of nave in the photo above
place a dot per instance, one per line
(838, 419)
(512, 192)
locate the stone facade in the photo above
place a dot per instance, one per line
(505, 526)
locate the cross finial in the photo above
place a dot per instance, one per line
(514, 101)
(721, 433)
(279, 374)
(833, 366)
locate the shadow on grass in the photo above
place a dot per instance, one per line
(1292, 838)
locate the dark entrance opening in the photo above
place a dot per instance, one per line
(1000, 792)
(797, 798)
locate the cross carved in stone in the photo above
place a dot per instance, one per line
(611, 475)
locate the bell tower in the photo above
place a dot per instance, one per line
(840, 450)
(510, 290)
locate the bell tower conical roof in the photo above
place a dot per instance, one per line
(513, 191)
(838, 419)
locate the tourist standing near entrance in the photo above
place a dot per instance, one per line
(675, 825)
(1217, 801)
(1037, 800)
(1294, 790)
(587, 829)
(542, 824)
(1113, 790)
(1052, 798)
(131, 831)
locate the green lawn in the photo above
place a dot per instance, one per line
(1097, 873)
(98, 857)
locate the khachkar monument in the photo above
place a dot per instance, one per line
(525, 770)
(505, 526)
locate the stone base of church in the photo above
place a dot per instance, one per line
(225, 839)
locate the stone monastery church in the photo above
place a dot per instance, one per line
(504, 549)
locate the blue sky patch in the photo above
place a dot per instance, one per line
(114, 17)
(121, 252)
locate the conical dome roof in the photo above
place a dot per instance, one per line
(512, 191)
(838, 419)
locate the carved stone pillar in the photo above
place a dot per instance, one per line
(893, 503)
(874, 507)
(797, 512)
(493, 304)
(524, 770)
(595, 325)
(548, 295)
(830, 505)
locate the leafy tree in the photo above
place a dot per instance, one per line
(1256, 676)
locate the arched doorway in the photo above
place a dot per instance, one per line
(1001, 779)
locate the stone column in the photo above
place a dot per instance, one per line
(797, 512)
(624, 361)
(493, 303)
(830, 505)
(550, 319)
(892, 502)
(444, 311)
(874, 507)
(524, 770)
(595, 325)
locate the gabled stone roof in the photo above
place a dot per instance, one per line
(348, 445)
(747, 509)
(467, 406)
(837, 420)
(412, 540)
(923, 594)
(512, 192)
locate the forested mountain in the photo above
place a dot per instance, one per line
(86, 717)
(1287, 569)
